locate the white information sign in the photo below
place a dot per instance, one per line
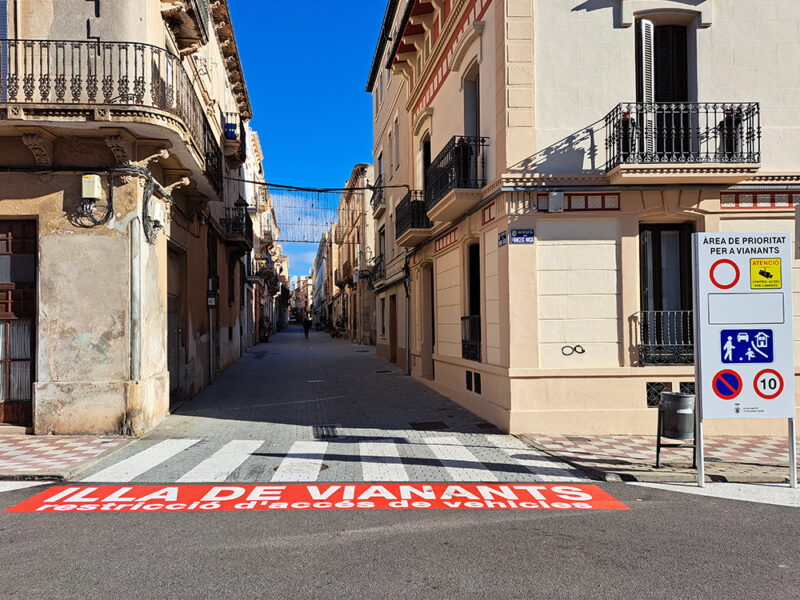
(744, 345)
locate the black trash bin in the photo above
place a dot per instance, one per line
(676, 421)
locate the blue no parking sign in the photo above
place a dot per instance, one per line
(727, 384)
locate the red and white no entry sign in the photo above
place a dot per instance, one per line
(724, 274)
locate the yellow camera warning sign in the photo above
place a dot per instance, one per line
(765, 273)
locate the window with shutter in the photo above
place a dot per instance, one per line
(671, 74)
(645, 84)
(205, 15)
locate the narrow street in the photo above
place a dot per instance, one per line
(257, 423)
(324, 410)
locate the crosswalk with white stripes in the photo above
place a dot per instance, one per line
(456, 457)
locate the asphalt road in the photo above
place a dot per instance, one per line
(669, 545)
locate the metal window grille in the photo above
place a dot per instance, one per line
(654, 389)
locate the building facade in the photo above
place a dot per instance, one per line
(559, 157)
(354, 245)
(126, 231)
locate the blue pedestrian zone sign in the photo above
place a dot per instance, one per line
(742, 346)
(522, 236)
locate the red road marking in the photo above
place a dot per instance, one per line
(780, 386)
(724, 261)
(245, 498)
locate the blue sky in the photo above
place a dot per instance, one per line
(306, 66)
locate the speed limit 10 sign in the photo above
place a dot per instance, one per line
(744, 348)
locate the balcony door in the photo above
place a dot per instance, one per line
(666, 330)
(663, 79)
(18, 270)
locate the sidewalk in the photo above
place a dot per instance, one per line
(752, 459)
(55, 458)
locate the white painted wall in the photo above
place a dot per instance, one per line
(578, 269)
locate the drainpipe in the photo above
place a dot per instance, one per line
(407, 285)
(210, 338)
(360, 327)
(136, 300)
(135, 316)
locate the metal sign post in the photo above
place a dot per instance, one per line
(744, 342)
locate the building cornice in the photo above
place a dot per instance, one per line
(223, 26)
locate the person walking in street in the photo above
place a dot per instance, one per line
(306, 326)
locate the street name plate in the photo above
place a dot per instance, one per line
(743, 312)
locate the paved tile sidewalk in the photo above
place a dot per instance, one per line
(52, 457)
(633, 457)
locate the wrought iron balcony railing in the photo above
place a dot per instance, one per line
(238, 224)
(680, 133)
(411, 213)
(262, 267)
(90, 73)
(460, 164)
(471, 338)
(666, 337)
(234, 133)
(379, 268)
(378, 198)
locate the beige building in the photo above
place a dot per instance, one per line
(302, 297)
(354, 243)
(126, 225)
(392, 164)
(559, 156)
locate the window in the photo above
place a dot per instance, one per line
(391, 158)
(231, 282)
(662, 77)
(383, 316)
(396, 143)
(380, 164)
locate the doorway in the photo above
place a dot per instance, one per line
(666, 322)
(18, 249)
(393, 328)
(428, 322)
(662, 61)
(176, 358)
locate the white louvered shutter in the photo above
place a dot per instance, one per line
(647, 79)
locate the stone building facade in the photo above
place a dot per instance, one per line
(559, 155)
(354, 246)
(126, 229)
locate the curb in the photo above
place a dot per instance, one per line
(653, 476)
(66, 473)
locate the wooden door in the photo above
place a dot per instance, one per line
(18, 245)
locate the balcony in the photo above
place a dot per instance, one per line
(706, 142)
(53, 80)
(412, 225)
(262, 267)
(378, 198)
(471, 338)
(344, 275)
(666, 337)
(379, 268)
(189, 21)
(238, 227)
(234, 142)
(455, 178)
